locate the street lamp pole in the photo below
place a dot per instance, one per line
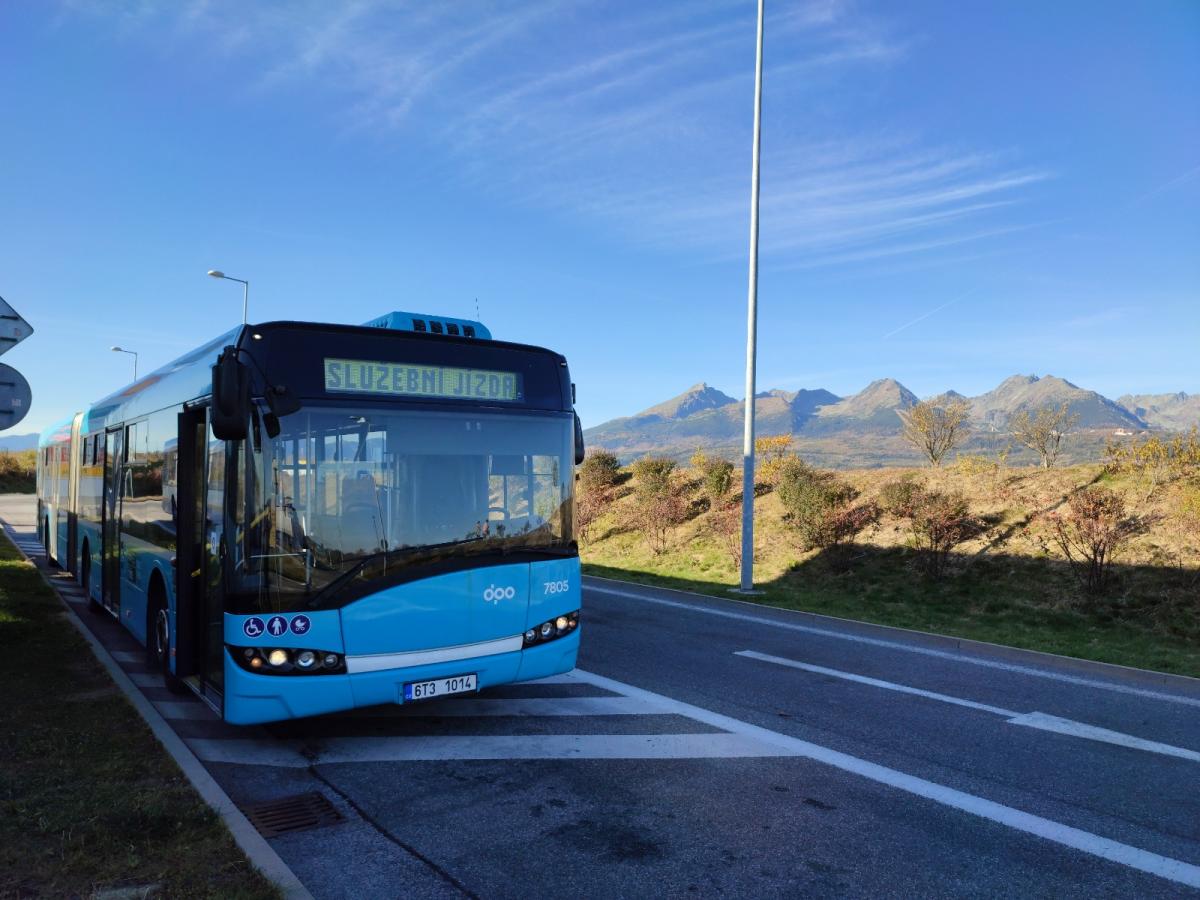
(131, 353)
(215, 273)
(747, 583)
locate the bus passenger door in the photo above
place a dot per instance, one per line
(186, 491)
(114, 471)
(211, 612)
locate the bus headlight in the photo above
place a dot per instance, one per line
(285, 661)
(548, 631)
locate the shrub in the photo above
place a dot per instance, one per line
(843, 523)
(600, 469)
(590, 504)
(717, 479)
(1155, 460)
(18, 471)
(1189, 507)
(973, 464)
(725, 523)
(652, 475)
(939, 523)
(811, 497)
(899, 497)
(771, 455)
(655, 515)
(1091, 532)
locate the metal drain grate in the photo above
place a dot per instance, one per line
(288, 814)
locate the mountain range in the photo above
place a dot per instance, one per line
(18, 441)
(865, 428)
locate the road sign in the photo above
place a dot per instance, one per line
(13, 329)
(15, 396)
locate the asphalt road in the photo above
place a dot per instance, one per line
(716, 748)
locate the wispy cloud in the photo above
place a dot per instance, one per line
(635, 117)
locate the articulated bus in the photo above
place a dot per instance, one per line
(303, 518)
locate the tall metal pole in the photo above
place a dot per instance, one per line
(217, 273)
(747, 584)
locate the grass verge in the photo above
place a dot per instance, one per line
(1007, 584)
(995, 601)
(89, 800)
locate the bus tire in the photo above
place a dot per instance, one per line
(85, 580)
(158, 639)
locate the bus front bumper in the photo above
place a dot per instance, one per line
(252, 699)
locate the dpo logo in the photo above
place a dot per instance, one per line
(495, 594)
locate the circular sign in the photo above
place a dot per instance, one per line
(15, 396)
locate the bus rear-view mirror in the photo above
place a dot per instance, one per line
(230, 397)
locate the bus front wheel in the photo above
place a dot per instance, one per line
(159, 642)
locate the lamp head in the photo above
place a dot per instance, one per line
(216, 273)
(116, 349)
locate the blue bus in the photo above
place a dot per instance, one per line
(302, 518)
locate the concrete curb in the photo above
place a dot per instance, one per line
(253, 844)
(1034, 658)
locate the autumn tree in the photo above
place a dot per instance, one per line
(1043, 431)
(771, 452)
(936, 430)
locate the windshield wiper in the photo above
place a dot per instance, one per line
(404, 553)
(400, 554)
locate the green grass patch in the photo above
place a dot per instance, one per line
(89, 799)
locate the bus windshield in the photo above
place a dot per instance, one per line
(344, 501)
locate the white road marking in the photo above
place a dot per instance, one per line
(908, 648)
(127, 656)
(522, 746)
(553, 679)
(1040, 721)
(1045, 722)
(529, 706)
(1084, 841)
(874, 682)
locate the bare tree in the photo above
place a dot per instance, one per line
(936, 430)
(1043, 431)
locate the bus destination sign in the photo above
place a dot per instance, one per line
(359, 376)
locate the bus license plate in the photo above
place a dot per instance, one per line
(440, 687)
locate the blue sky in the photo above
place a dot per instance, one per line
(952, 192)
